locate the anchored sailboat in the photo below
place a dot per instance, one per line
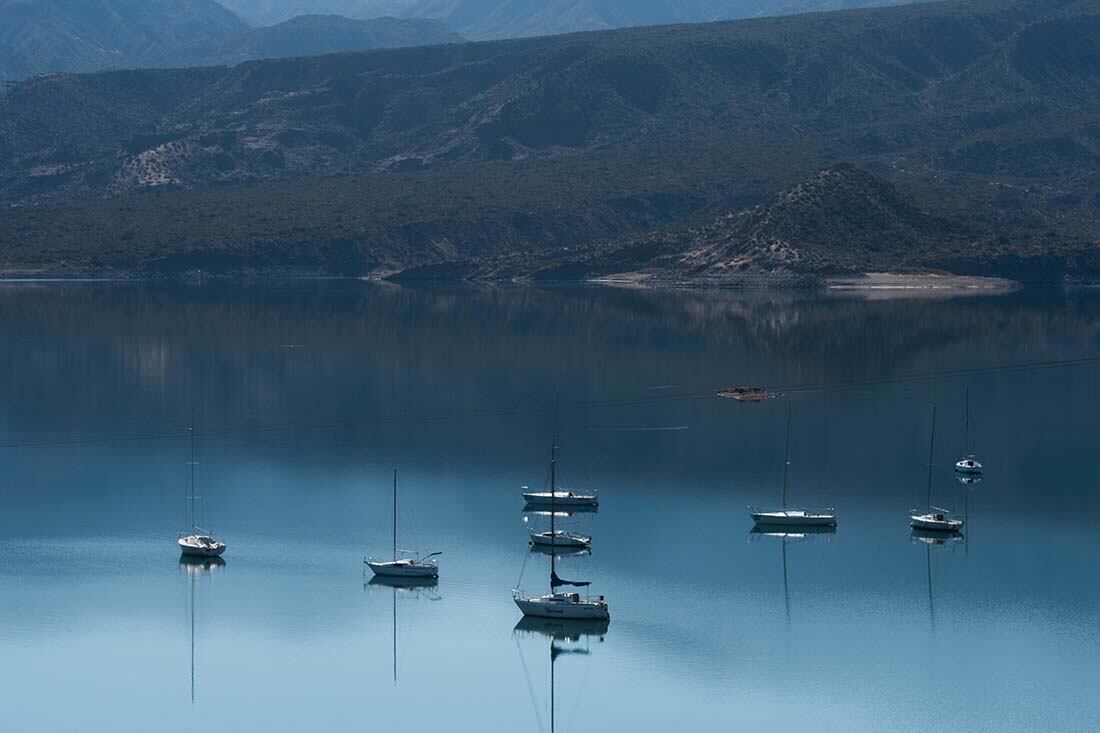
(197, 542)
(936, 518)
(788, 516)
(555, 604)
(405, 567)
(969, 465)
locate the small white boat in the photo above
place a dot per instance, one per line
(561, 498)
(563, 605)
(792, 517)
(200, 544)
(968, 466)
(197, 542)
(559, 538)
(939, 520)
(403, 567)
(935, 519)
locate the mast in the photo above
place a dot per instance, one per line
(787, 457)
(931, 448)
(966, 425)
(553, 513)
(191, 431)
(395, 515)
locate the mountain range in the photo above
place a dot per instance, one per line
(712, 152)
(496, 19)
(43, 36)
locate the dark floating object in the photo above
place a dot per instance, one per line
(749, 394)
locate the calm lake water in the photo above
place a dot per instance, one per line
(308, 395)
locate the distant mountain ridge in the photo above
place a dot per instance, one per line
(498, 19)
(43, 36)
(89, 35)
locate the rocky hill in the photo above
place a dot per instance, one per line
(590, 152)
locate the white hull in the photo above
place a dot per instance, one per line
(969, 468)
(935, 523)
(196, 546)
(794, 518)
(404, 569)
(561, 499)
(561, 538)
(563, 606)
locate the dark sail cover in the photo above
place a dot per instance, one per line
(556, 582)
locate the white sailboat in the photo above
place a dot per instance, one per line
(786, 516)
(968, 466)
(197, 542)
(404, 567)
(936, 519)
(557, 537)
(555, 604)
(560, 498)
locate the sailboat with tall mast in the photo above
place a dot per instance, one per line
(557, 537)
(555, 604)
(968, 465)
(197, 542)
(936, 518)
(787, 516)
(404, 567)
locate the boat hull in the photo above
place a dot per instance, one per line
(561, 500)
(194, 549)
(932, 524)
(794, 519)
(967, 470)
(560, 539)
(402, 569)
(580, 610)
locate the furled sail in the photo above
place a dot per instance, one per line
(556, 582)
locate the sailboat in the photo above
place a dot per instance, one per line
(936, 518)
(557, 537)
(555, 604)
(560, 632)
(197, 542)
(968, 465)
(787, 516)
(404, 567)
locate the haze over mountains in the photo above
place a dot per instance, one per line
(495, 19)
(715, 152)
(41, 36)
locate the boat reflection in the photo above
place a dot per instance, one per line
(563, 629)
(410, 584)
(542, 509)
(567, 637)
(406, 585)
(786, 536)
(195, 565)
(936, 539)
(561, 551)
(790, 534)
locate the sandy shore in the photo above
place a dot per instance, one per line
(919, 285)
